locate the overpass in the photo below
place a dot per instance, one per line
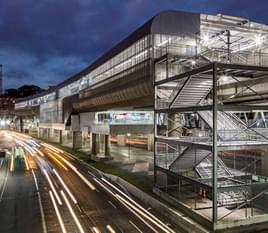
(194, 84)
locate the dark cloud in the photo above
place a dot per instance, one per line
(45, 42)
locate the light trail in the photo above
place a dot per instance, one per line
(135, 226)
(40, 204)
(57, 161)
(29, 149)
(109, 227)
(72, 212)
(57, 212)
(52, 187)
(57, 150)
(91, 186)
(65, 187)
(26, 162)
(150, 216)
(96, 230)
(124, 204)
(12, 164)
(39, 152)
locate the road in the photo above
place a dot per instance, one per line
(43, 189)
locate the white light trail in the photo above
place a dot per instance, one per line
(144, 212)
(137, 207)
(72, 212)
(57, 150)
(26, 162)
(65, 187)
(77, 172)
(12, 164)
(57, 212)
(96, 230)
(52, 187)
(39, 152)
(109, 227)
(40, 204)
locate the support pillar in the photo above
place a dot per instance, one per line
(60, 136)
(95, 144)
(107, 145)
(21, 124)
(150, 142)
(121, 140)
(77, 139)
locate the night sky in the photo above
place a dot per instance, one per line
(44, 42)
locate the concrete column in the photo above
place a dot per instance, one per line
(95, 144)
(60, 136)
(77, 139)
(107, 145)
(51, 134)
(21, 125)
(150, 142)
(174, 125)
(121, 140)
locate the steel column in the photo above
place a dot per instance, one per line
(214, 155)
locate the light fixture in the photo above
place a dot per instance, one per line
(224, 77)
(193, 62)
(258, 40)
(205, 38)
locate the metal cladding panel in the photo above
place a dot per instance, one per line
(176, 23)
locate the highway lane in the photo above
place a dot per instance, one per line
(73, 199)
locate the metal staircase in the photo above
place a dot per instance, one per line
(190, 92)
(204, 168)
(188, 159)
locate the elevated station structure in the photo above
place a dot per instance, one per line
(202, 77)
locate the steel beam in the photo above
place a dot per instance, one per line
(214, 149)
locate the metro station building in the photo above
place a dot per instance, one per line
(193, 88)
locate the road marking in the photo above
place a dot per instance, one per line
(35, 181)
(57, 212)
(109, 227)
(112, 204)
(135, 226)
(72, 212)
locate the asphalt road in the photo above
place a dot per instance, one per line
(46, 190)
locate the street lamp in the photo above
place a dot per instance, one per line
(128, 135)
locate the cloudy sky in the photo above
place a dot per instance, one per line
(44, 42)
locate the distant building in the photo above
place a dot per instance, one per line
(6, 112)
